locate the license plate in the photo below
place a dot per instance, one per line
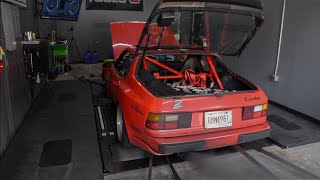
(218, 119)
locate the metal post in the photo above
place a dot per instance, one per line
(280, 40)
(150, 167)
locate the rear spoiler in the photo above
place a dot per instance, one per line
(125, 35)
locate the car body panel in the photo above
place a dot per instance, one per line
(125, 35)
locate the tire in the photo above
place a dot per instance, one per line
(122, 133)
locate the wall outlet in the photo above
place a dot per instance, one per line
(275, 78)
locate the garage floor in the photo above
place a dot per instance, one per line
(61, 112)
(65, 112)
(208, 165)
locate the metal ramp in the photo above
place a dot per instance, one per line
(114, 157)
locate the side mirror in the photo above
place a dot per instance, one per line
(166, 19)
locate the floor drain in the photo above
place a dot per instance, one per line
(56, 153)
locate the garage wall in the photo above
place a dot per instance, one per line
(299, 73)
(93, 26)
(14, 93)
(15, 97)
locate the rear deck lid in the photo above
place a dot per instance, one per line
(221, 26)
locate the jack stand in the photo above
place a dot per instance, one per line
(72, 47)
(176, 176)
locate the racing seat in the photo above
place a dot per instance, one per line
(193, 63)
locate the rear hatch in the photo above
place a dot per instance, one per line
(221, 26)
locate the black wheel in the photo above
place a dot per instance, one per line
(122, 133)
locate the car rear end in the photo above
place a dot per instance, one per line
(201, 123)
(177, 120)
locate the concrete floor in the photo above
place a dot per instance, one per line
(205, 165)
(88, 71)
(64, 111)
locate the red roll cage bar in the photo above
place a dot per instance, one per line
(178, 75)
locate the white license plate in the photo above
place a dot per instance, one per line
(218, 119)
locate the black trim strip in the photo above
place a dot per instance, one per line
(181, 147)
(243, 138)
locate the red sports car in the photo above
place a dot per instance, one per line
(172, 91)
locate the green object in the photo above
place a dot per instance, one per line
(109, 60)
(60, 50)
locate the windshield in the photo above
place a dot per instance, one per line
(220, 32)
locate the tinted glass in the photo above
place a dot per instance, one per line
(223, 33)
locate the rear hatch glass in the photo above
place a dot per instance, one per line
(222, 30)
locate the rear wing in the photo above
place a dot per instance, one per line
(125, 35)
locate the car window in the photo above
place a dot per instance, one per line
(218, 67)
(123, 64)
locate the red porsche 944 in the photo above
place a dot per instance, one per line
(171, 89)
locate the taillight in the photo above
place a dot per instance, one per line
(253, 112)
(168, 121)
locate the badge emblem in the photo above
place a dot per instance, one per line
(177, 105)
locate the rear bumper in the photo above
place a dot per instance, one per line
(201, 145)
(162, 146)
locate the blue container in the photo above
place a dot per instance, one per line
(94, 57)
(87, 58)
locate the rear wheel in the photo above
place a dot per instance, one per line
(121, 129)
